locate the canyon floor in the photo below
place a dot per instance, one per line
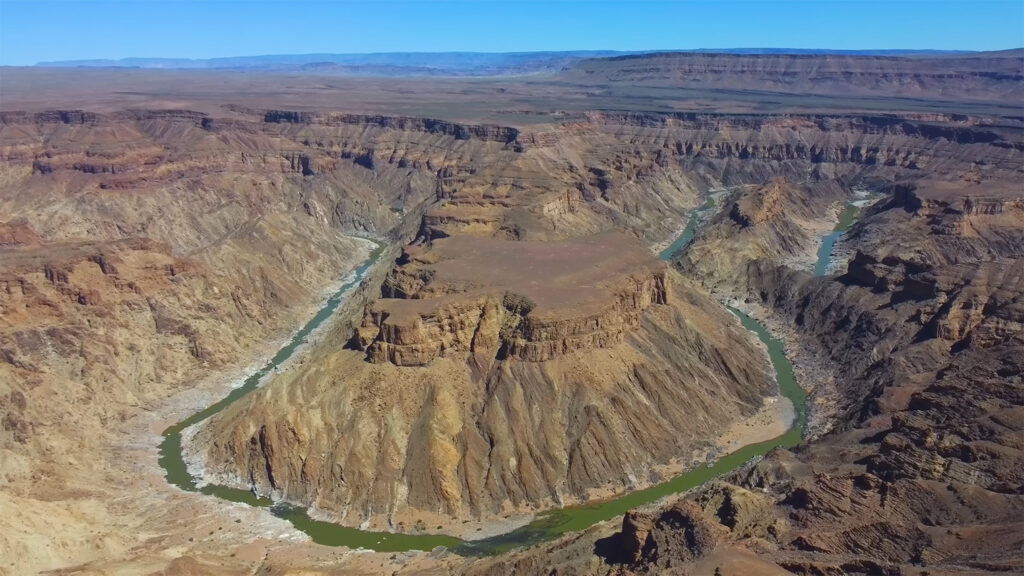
(518, 346)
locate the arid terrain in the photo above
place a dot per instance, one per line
(518, 347)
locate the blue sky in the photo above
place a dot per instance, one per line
(37, 30)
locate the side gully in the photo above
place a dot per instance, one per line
(547, 526)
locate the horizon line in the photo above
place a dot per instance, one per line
(598, 52)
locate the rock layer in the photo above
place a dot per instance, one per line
(544, 300)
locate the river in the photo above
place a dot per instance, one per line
(695, 217)
(849, 214)
(548, 525)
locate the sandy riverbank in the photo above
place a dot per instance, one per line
(813, 371)
(773, 420)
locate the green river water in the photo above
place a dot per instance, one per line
(847, 216)
(693, 220)
(548, 525)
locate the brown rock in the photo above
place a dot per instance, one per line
(636, 527)
(677, 534)
(543, 300)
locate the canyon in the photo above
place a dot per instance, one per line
(482, 391)
(518, 347)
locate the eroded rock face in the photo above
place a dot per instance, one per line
(455, 429)
(543, 300)
(922, 331)
(679, 533)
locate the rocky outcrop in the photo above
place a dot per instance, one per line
(746, 513)
(451, 302)
(679, 533)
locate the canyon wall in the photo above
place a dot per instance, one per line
(472, 301)
(149, 254)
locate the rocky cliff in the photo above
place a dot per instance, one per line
(449, 298)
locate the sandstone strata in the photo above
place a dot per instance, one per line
(544, 300)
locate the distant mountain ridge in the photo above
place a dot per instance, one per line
(385, 63)
(993, 76)
(436, 63)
